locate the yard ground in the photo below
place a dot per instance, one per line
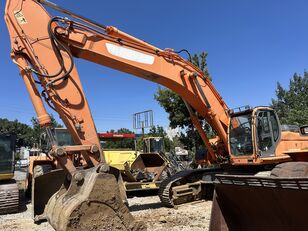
(147, 209)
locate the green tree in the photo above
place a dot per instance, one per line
(178, 113)
(201, 62)
(24, 133)
(291, 104)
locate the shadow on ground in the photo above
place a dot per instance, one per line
(140, 207)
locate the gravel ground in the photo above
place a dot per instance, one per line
(22, 221)
(186, 217)
(147, 209)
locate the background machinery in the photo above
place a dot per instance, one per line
(247, 141)
(9, 192)
(141, 170)
(45, 175)
(155, 144)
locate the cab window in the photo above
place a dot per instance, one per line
(275, 125)
(264, 132)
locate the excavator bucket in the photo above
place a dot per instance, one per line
(43, 187)
(148, 166)
(90, 201)
(259, 203)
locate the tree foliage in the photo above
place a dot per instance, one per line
(292, 103)
(200, 61)
(24, 133)
(177, 112)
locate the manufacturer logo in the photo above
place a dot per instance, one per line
(129, 54)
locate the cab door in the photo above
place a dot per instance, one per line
(267, 133)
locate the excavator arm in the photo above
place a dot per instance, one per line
(35, 51)
(43, 48)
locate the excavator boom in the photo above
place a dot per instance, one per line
(43, 48)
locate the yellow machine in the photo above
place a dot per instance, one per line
(140, 170)
(118, 157)
(9, 193)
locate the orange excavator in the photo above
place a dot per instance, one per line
(248, 140)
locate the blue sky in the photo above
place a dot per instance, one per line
(252, 44)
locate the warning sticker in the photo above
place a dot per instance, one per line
(20, 17)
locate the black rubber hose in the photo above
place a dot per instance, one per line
(56, 44)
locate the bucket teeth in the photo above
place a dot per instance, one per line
(92, 203)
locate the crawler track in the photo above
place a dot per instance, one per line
(9, 197)
(165, 189)
(192, 179)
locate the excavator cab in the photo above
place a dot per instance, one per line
(153, 145)
(253, 134)
(63, 137)
(267, 200)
